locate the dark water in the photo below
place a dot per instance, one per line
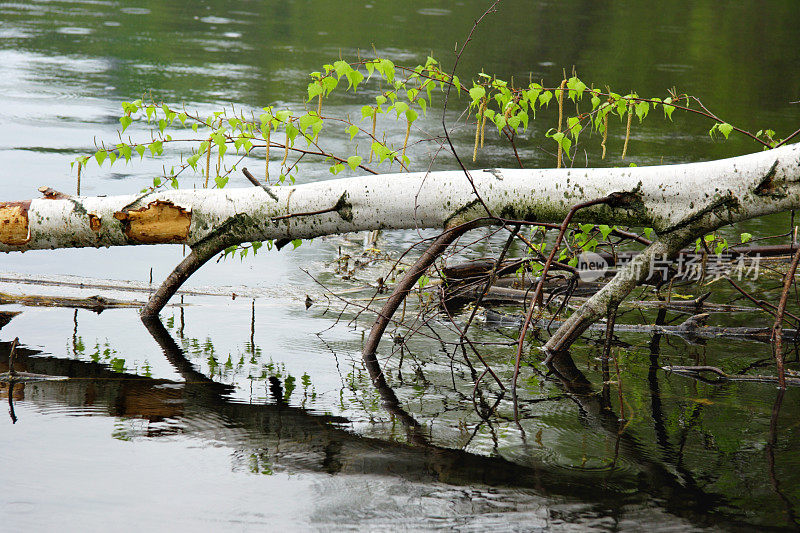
(255, 413)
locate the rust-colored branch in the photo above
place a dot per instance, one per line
(399, 294)
(777, 344)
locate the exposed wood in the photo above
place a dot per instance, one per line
(160, 222)
(14, 223)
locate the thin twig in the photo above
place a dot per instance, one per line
(11, 371)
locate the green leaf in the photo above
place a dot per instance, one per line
(576, 88)
(125, 121)
(668, 109)
(544, 98)
(354, 78)
(647, 233)
(341, 68)
(307, 120)
(296, 243)
(124, 151)
(423, 281)
(386, 68)
(314, 89)
(746, 237)
(218, 138)
(140, 150)
(353, 161)
(221, 181)
(367, 111)
(563, 141)
(574, 127)
(291, 132)
(400, 107)
(156, 182)
(316, 128)
(330, 83)
(533, 93)
(476, 93)
(605, 230)
(500, 122)
(411, 116)
(335, 169)
(352, 130)
(523, 116)
(100, 156)
(381, 151)
(622, 106)
(725, 129)
(642, 108)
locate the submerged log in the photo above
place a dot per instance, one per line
(698, 373)
(95, 303)
(692, 328)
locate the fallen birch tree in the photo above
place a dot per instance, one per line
(680, 202)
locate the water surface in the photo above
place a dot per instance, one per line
(253, 412)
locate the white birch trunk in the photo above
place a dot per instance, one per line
(665, 198)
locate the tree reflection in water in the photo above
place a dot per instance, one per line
(287, 438)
